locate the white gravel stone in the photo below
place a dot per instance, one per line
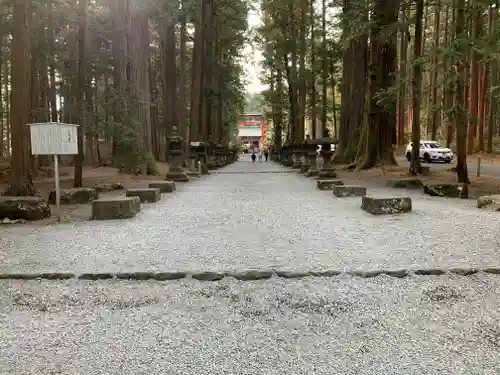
(418, 325)
(239, 221)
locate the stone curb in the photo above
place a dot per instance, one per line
(246, 275)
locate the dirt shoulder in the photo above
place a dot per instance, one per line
(91, 177)
(479, 185)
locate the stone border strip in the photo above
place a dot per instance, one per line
(245, 275)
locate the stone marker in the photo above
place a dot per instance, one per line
(81, 195)
(164, 186)
(489, 202)
(27, 208)
(105, 187)
(446, 190)
(115, 208)
(349, 191)
(328, 184)
(382, 206)
(407, 183)
(146, 195)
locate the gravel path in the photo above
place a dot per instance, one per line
(420, 325)
(234, 220)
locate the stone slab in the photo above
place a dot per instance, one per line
(349, 191)
(177, 176)
(164, 186)
(146, 195)
(326, 173)
(446, 190)
(115, 208)
(384, 206)
(328, 184)
(406, 183)
(311, 173)
(26, 208)
(81, 195)
(489, 202)
(104, 187)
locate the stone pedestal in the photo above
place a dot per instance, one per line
(200, 149)
(192, 170)
(297, 153)
(176, 157)
(311, 147)
(327, 171)
(286, 155)
(211, 157)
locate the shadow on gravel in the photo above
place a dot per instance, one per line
(442, 293)
(25, 300)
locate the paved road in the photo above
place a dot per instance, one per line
(491, 170)
(244, 218)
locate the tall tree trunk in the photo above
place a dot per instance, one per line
(474, 84)
(483, 97)
(21, 182)
(379, 121)
(448, 86)
(416, 88)
(182, 104)
(82, 29)
(433, 110)
(314, 122)
(461, 118)
(195, 130)
(324, 70)
(403, 59)
(302, 67)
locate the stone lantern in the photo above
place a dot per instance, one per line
(327, 171)
(297, 154)
(312, 153)
(176, 153)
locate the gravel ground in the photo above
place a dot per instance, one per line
(234, 220)
(421, 325)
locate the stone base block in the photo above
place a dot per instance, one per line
(296, 165)
(304, 168)
(446, 190)
(349, 191)
(177, 176)
(327, 173)
(191, 173)
(164, 186)
(383, 206)
(489, 202)
(26, 208)
(408, 183)
(115, 208)
(147, 195)
(328, 184)
(311, 173)
(104, 187)
(81, 195)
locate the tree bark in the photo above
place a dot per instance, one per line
(21, 181)
(415, 167)
(461, 117)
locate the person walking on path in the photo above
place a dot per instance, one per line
(266, 154)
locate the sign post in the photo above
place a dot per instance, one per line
(54, 138)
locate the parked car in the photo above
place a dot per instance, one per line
(431, 151)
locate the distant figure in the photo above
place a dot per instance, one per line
(253, 157)
(260, 156)
(266, 154)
